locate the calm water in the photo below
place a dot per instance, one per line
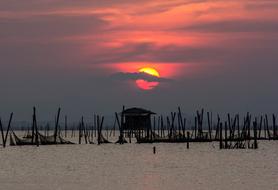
(133, 166)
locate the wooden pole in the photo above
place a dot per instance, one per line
(187, 143)
(260, 129)
(80, 133)
(33, 128)
(8, 129)
(184, 126)
(168, 126)
(66, 125)
(255, 135)
(84, 130)
(95, 125)
(249, 127)
(217, 128)
(226, 136)
(220, 134)
(238, 127)
(229, 123)
(182, 123)
(264, 128)
(98, 131)
(274, 127)
(200, 123)
(195, 129)
(179, 122)
(267, 127)
(158, 125)
(150, 129)
(56, 126)
(36, 127)
(173, 116)
(209, 125)
(2, 133)
(162, 127)
(154, 124)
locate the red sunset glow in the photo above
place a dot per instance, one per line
(148, 85)
(145, 85)
(167, 70)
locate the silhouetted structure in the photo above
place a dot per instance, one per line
(137, 119)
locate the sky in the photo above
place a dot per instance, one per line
(85, 56)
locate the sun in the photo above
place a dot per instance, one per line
(146, 85)
(150, 71)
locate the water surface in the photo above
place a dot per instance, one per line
(134, 166)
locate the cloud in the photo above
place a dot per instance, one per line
(261, 5)
(49, 28)
(235, 26)
(139, 75)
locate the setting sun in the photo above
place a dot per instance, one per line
(147, 85)
(150, 71)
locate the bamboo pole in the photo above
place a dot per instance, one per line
(56, 126)
(209, 124)
(33, 128)
(162, 127)
(260, 128)
(238, 127)
(84, 130)
(226, 136)
(187, 143)
(220, 134)
(8, 129)
(36, 127)
(267, 127)
(255, 135)
(66, 125)
(95, 125)
(195, 129)
(2, 133)
(274, 126)
(98, 131)
(80, 133)
(217, 127)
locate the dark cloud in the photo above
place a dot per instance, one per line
(16, 5)
(39, 27)
(139, 75)
(129, 52)
(235, 26)
(262, 5)
(253, 48)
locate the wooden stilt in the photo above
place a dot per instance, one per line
(56, 126)
(274, 127)
(66, 126)
(2, 133)
(8, 129)
(255, 134)
(226, 136)
(220, 134)
(188, 139)
(36, 127)
(209, 124)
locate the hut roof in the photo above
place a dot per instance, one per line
(137, 111)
